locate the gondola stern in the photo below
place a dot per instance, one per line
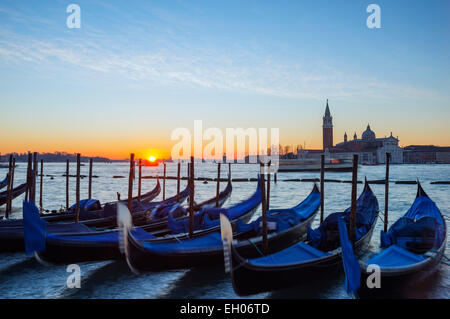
(315, 188)
(366, 185)
(420, 191)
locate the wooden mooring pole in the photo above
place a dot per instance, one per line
(191, 197)
(13, 170)
(264, 207)
(322, 183)
(35, 172)
(67, 184)
(12, 185)
(218, 185)
(164, 182)
(353, 205)
(77, 189)
(140, 180)
(90, 178)
(268, 187)
(130, 182)
(386, 193)
(9, 187)
(40, 185)
(29, 183)
(178, 181)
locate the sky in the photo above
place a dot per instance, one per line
(137, 70)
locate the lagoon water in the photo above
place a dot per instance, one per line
(22, 276)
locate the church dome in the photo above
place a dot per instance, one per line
(368, 134)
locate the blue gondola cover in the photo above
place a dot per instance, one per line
(34, 228)
(351, 264)
(422, 225)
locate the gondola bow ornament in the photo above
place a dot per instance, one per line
(124, 223)
(227, 238)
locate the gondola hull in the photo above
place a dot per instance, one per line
(11, 240)
(78, 251)
(16, 192)
(12, 233)
(65, 216)
(142, 259)
(161, 224)
(250, 279)
(83, 246)
(4, 182)
(394, 281)
(407, 258)
(70, 217)
(206, 249)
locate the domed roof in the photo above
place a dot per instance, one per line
(368, 134)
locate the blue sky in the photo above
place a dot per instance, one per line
(143, 68)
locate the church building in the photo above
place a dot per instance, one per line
(371, 150)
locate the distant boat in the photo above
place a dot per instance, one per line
(312, 165)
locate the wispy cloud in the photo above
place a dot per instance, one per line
(172, 59)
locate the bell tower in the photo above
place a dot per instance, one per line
(327, 128)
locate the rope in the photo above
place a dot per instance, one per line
(441, 261)
(256, 247)
(436, 257)
(438, 252)
(178, 239)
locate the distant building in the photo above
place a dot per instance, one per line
(371, 150)
(327, 129)
(426, 154)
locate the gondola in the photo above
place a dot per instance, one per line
(299, 263)
(12, 231)
(82, 243)
(159, 222)
(90, 209)
(411, 249)
(15, 192)
(288, 225)
(4, 182)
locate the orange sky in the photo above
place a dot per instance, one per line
(121, 147)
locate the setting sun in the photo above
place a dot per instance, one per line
(152, 158)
